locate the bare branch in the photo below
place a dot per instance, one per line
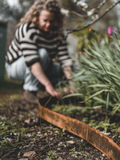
(91, 23)
(85, 16)
(101, 4)
(78, 14)
(95, 10)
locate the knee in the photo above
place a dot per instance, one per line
(44, 56)
(43, 53)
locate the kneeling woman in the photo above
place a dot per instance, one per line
(38, 39)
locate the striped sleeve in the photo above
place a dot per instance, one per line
(28, 46)
(12, 52)
(63, 55)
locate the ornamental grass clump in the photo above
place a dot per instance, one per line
(98, 76)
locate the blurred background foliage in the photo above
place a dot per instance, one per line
(12, 14)
(110, 19)
(86, 38)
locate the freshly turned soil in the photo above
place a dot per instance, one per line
(41, 140)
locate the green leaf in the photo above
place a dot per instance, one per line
(102, 101)
(98, 85)
(80, 108)
(99, 92)
(107, 101)
(72, 95)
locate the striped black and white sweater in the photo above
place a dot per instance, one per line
(28, 39)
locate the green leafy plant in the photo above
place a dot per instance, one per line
(98, 76)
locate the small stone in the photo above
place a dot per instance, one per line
(60, 158)
(103, 155)
(27, 121)
(60, 143)
(45, 134)
(29, 154)
(70, 142)
(71, 137)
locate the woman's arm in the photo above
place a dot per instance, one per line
(68, 75)
(38, 72)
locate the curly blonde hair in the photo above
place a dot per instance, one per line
(37, 7)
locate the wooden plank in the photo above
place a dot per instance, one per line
(76, 127)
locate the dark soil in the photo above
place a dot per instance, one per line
(25, 136)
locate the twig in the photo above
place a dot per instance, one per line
(78, 14)
(101, 4)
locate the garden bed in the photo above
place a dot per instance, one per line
(25, 136)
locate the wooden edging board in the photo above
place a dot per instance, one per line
(80, 129)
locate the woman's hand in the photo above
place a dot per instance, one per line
(67, 71)
(38, 72)
(49, 88)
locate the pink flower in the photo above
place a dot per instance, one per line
(110, 30)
